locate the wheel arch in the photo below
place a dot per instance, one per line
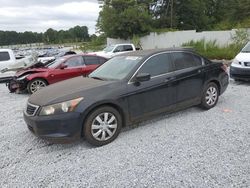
(39, 78)
(216, 82)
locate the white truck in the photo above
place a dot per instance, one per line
(9, 64)
(113, 50)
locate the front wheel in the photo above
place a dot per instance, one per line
(210, 96)
(102, 126)
(35, 85)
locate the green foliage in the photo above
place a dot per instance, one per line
(13, 37)
(75, 34)
(96, 43)
(162, 30)
(123, 19)
(136, 41)
(212, 50)
(51, 36)
(241, 37)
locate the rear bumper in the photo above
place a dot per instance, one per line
(57, 127)
(224, 83)
(240, 73)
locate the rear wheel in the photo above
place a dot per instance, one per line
(35, 85)
(210, 96)
(102, 126)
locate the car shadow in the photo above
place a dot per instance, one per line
(240, 82)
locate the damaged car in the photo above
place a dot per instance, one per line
(33, 79)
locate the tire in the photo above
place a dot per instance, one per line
(35, 85)
(10, 86)
(98, 131)
(210, 96)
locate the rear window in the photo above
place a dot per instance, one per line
(128, 48)
(91, 60)
(183, 60)
(4, 56)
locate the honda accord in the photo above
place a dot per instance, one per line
(127, 89)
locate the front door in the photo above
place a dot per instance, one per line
(156, 95)
(73, 68)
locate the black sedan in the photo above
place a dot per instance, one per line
(126, 89)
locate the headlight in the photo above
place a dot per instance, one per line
(236, 62)
(59, 108)
(23, 77)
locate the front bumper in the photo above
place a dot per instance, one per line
(66, 126)
(14, 84)
(240, 73)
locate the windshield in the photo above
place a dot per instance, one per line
(116, 68)
(55, 63)
(246, 48)
(109, 48)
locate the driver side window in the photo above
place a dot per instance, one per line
(74, 61)
(119, 49)
(157, 65)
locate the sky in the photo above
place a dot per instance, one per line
(39, 15)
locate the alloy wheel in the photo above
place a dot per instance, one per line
(104, 126)
(211, 96)
(37, 85)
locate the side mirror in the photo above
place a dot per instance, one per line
(63, 66)
(142, 77)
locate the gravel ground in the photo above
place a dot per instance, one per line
(191, 148)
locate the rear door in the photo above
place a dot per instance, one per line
(156, 95)
(91, 63)
(190, 77)
(73, 68)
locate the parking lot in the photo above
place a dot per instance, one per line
(191, 148)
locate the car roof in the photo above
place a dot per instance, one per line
(82, 54)
(146, 53)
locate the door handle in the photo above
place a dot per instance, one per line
(169, 79)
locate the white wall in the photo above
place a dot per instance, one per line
(177, 38)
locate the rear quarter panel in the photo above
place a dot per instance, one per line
(215, 73)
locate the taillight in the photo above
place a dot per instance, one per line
(224, 67)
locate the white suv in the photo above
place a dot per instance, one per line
(240, 67)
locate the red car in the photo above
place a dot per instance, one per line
(63, 68)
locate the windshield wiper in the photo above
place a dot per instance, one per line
(246, 51)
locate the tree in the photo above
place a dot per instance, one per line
(123, 18)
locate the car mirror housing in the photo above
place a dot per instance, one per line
(142, 77)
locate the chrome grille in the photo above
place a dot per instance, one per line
(31, 109)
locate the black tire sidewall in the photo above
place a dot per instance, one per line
(30, 82)
(87, 125)
(9, 86)
(203, 100)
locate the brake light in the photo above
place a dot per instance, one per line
(224, 67)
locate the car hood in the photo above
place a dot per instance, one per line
(103, 54)
(30, 71)
(66, 90)
(243, 57)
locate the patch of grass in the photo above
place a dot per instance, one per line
(212, 50)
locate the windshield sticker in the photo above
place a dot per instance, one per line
(133, 58)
